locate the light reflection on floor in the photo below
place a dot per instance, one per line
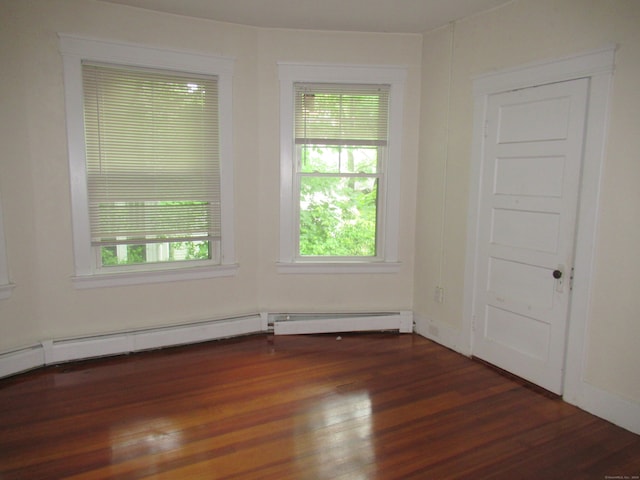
(144, 437)
(338, 432)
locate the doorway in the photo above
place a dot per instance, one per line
(537, 155)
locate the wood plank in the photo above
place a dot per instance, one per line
(367, 406)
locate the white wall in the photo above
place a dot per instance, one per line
(34, 175)
(522, 32)
(18, 313)
(367, 292)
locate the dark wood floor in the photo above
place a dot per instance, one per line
(367, 406)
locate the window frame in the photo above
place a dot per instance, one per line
(76, 50)
(387, 226)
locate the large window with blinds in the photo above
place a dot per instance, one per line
(340, 148)
(153, 166)
(149, 136)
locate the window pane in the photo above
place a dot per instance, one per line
(338, 216)
(321, 159)
(136, 254)
(338, 159)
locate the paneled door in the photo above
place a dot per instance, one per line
(530, 183)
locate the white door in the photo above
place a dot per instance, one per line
(527, 218)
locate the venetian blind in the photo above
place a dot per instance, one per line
(341, 114)
(152, 153)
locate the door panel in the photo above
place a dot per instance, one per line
(529, 176)
(511, 330)
(520, 282)
(525, 229)
(529, 194)
(533, 121)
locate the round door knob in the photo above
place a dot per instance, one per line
(557, 274)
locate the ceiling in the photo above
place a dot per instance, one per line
(393, 16)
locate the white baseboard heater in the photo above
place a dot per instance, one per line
(51, 352)
(58, 351)
(305, 323)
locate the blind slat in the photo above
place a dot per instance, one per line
(341, 114)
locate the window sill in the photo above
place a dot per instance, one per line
(99, 280)
(6, 290)
(338, 267)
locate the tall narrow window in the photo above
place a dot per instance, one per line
(341, 135)
(340, 162)
(153, 175)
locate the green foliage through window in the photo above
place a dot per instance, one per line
(341, 137)
(135, 254)
(338, 211)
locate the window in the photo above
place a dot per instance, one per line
(340, 144)
(148, 150)
(5, 286)
(340, 156)
(152, 165)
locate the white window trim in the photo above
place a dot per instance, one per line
(74, 50)
(393, 75)
(6, 288)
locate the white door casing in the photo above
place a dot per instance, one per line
(529, 195)
(596, 66)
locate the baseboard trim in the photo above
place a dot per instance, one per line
(441, 333)
(602, 404)
(610, 407)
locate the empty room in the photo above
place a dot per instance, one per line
(295, 239)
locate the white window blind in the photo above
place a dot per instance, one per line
(341, 114)
(152, 154)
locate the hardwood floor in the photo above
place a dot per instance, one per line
(368, 406)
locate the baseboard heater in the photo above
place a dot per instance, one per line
(21, 360)
(51, 352)
(140, 340)
(307, 323)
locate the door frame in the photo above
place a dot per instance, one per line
(598, 67)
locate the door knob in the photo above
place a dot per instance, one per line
(557, 274)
